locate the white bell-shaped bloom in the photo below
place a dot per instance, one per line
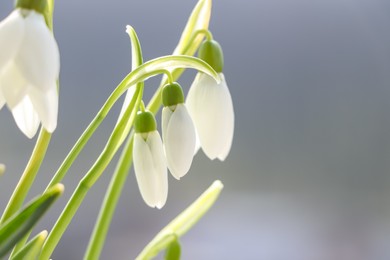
(179, 138)
(29, 69)
(150, 168)
(211, 108)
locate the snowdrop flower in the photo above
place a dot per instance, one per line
(210, 106)
(178, 131)
(29, 69)
(149, 161)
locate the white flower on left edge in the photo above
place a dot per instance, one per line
(29, 69)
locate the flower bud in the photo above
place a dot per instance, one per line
(149, 161)
(145, 122)
(37, 5)
(211, 52)
(178, 131)
(172, 94)
(173, 251)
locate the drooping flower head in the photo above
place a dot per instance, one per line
(178, 131)
(29, 68)
(149, 161)
(210, 105)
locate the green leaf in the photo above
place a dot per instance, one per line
(198, 20)
(164, 63)
(22, 222)
(32, 249)
(134, 92)
(182, 223)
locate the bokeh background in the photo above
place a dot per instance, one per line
(308, 177)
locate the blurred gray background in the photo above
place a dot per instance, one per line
(308, 176)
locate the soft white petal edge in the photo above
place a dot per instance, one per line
(211, 108)
(11, 35)
(150, 172)
(2, 100)
(13, 85)
(46, 105)
(38, 58)
(179, 142)
(160, 165)
(26, 118)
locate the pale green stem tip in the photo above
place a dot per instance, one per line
(2, 168)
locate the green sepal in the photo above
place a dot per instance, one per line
(145, 122)
(37, 5)
(32, 249)
(22, 222)
(173, 251)
(172, 94)
(211, 52)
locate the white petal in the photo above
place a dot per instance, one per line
(160, 166)
(11, 35)
(14, 87)
(197, 143)
(211, 108)
(46, 105)
(165, 117)
(26, 118)
(2, 100)
(150, 169)
(38, 57)
(229, 122)
(179, 142)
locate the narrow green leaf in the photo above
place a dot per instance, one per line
(183, 222)
(170, 62)
(198, 20)
(22, 222)
(137, 60)
(32, 249)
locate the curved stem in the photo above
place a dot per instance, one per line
(28, 176)
(141, 73)
(90, 178)
(205, 32)
(110, 201)
(151, 68)
(118, 179)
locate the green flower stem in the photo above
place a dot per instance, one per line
(182, 223)
(118, 179)
(113, 193)
(201, 12)
(28, 175)
(205, 32)
(198, 20)
(90, 178)
(143, 72)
